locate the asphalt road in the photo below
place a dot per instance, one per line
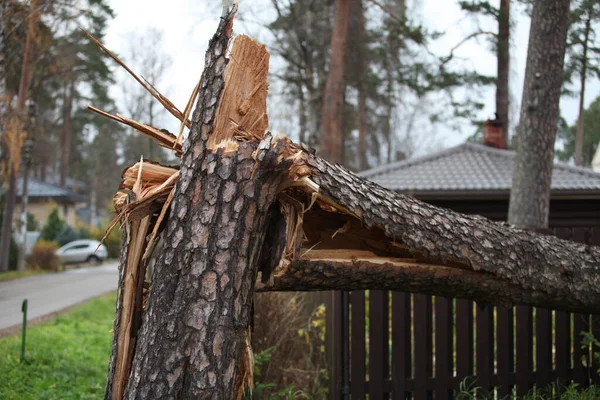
(49, 293)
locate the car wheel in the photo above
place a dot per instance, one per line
(94, 260)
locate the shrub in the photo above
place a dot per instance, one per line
(53, 226)
(66, 235)
(288, 340)
(43, 256)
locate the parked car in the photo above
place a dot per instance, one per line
(82, 251)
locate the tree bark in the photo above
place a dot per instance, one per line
(530, 194)
(332, 143)
(503, 59)
(583, 76)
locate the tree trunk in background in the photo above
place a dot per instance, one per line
(13, 159)
(530, 194)
(395, 43)
(332, 144)
(7, 218)
(66, 133)
(362, 91)
(4, 241)
(583, 73)
(304, 136)
(502, 85)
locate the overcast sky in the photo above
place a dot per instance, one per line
(188, 25)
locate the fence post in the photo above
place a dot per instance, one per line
(23, 329)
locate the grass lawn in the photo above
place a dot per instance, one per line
(66, 358)
(10, 275)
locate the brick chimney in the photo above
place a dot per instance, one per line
(493, 134)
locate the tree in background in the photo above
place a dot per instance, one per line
(500, 41)
(14, 133)
(144, 55)
(391, 78)
(567, 134)
(65, 73)
(302, 35)
(332, 142)
(530, 194)
(54, 225)
(84, 71)
(583, 60)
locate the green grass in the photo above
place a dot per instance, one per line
(66, 358)
(10, 275)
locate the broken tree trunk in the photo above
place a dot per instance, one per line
(247, 209)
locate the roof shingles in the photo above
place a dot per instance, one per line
(472, 167)
(40, 189)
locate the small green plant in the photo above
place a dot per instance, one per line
(263, 390)
(470, 391)
(588, 340)
(43, 256)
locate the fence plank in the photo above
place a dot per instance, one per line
(378, 342)
(357, 354)
(484, 353)
(543, 343)
(595, 349)
(580, 324)
(563, 347)
(594, 239)
(505, 349)
(443, 347)
(464, 339)
(423, 344)
(333, 332)
(524, 349)
(401, 344)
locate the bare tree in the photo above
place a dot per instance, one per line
(145, 55)
(530, 194)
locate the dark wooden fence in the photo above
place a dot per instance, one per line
(393, 345)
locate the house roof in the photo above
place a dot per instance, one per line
(473, 169)
(37, 189)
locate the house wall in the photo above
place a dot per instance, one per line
(41, 209)
(563, 212)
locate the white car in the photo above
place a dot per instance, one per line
(82, 251)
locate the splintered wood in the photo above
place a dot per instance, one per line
(242, 111)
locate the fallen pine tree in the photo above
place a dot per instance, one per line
(249, 210)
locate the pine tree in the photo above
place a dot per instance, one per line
(567, 135)
(54, 225)
(583, 60)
